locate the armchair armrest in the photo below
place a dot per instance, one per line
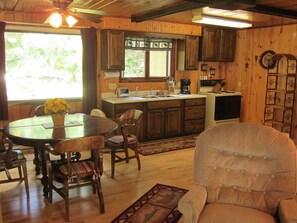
(287, 211)
(192, 203)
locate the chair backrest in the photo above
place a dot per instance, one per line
(247, 165)
(7, 155)
(130, 122)
(80, 144)
(39, 110)
(97, 112)
(94, 144)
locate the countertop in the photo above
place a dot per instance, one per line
(147, 99)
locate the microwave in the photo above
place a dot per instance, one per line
(123, 92)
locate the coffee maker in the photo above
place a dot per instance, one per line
(185, 86)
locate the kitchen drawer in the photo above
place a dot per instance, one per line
(196, 112)
(194, 102)
(194, 126)
(164, 104)
(121, 108)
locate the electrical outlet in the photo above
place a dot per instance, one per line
(204, 67)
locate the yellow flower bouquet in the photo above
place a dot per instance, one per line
(56, 106)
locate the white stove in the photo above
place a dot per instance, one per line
(221, 107)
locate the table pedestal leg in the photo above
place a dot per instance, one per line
(36, 160)
(44, 179)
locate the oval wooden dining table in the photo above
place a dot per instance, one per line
(37, 131)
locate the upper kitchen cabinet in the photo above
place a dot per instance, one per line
(112, 50)
(217, 44)
(187, 53)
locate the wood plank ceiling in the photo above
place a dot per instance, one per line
(263, 15)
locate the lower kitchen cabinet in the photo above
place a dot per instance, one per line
(194, 118)
(163, 119)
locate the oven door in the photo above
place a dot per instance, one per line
(227, 107)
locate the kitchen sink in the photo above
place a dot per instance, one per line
(157, 96)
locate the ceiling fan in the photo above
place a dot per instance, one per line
(63, 9)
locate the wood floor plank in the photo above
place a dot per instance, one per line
(172, 168)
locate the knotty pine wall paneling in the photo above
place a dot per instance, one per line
(247, 76)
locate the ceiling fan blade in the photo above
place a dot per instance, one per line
(89, 11)
(86, 17)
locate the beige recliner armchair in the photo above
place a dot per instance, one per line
(243, 173)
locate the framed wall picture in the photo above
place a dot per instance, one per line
(268, 113)
(289, 100)
(270, 97)
(291, 66)
(271, 82)
(291, 83)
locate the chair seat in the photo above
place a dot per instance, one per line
(80, 170)
(220, 213)
(119, 140)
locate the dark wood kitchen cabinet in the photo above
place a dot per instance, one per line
(112, 50)
(217, 44)
(114, 111)
(163, 119)
(187, 53)
(194, 115)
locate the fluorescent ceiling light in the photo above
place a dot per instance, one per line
(218, 21)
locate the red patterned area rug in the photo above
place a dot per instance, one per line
(158, 205)
(167, 145)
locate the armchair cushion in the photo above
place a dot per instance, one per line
(246, 165)
(226, 213)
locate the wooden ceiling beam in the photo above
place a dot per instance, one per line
(263, 9)
(193, 4)
(179, 7)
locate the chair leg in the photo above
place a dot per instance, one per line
(137, 158)
(24, 166)
(126, 154)
(20, 173)
(100, 195)
(112, 153)
(8, 174)
(66, 189)
(50, 187)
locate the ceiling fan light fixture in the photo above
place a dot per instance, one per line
(218, 21)
(71, 21)
(55, 20)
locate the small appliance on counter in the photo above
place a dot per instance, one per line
(185, 86)
(123, 92)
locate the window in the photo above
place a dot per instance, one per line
(43, 65)
(147, 59)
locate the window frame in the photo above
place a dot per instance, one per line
(44, 30)
(147, 78)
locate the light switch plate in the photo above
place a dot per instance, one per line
(204, 67)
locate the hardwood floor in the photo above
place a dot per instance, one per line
(171, 168)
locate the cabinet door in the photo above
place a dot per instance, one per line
(191, 52)
(210, 44)
(173, 122)
(113, 50)
(155, 124)
(227, 45)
